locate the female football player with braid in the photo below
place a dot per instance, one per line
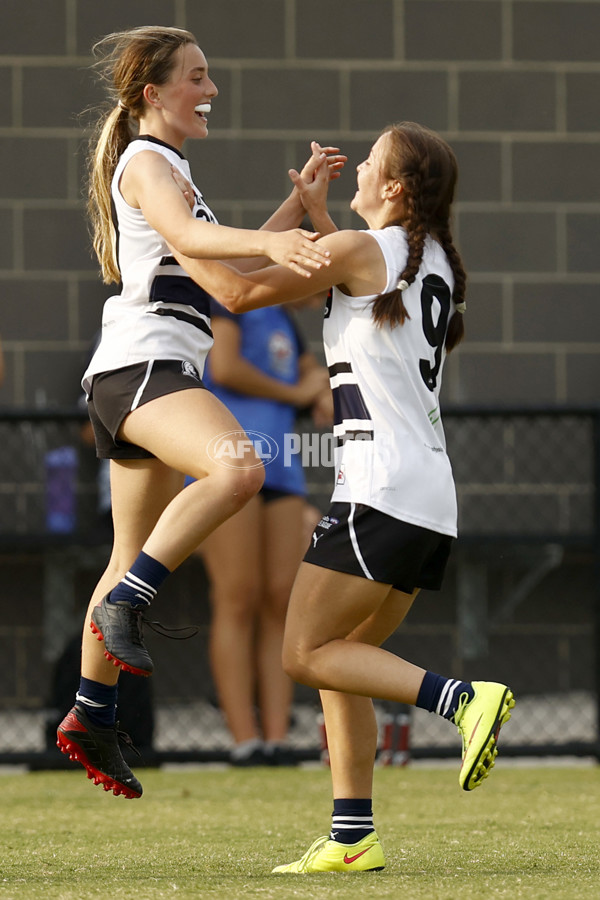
(396, 307)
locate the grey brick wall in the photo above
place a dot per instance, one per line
(514, 85)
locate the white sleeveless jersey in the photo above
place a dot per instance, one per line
(390, 447)
(161, 313)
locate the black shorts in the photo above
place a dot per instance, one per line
(360, 540)
(115, 394)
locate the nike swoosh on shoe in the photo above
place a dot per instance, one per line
(351, 859)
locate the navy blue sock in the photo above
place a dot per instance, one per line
(442, 695)
(100, 701)
(352, 820)
(140, 584)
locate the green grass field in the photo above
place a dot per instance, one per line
(531, 833)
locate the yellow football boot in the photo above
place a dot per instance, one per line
(479, 722)
(325, 855)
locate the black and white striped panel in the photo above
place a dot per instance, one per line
(352, 419)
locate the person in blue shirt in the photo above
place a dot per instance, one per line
(260, 368)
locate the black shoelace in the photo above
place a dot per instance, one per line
(124, 738)
(167, 632)
(136, 621)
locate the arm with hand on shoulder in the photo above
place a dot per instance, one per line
(322, 161)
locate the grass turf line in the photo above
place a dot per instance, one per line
(527, 833)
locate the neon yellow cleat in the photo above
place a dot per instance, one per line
(329, 856)
(479, 722)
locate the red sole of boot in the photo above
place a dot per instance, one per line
(73, 751)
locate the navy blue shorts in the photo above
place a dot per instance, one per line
(360, 540)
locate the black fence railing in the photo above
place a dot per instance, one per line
(521, 602)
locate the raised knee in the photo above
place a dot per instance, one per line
(245, 484)
(238, 485)
(295, 664)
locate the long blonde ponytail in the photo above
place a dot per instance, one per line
(113, 136)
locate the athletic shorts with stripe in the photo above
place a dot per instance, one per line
(360, 540)
(115, 394)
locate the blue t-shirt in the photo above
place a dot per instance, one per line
(272, 343)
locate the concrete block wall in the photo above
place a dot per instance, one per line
(514, 85)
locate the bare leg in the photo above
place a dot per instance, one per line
(350, 720)
(232, 557)
(283, 546)
(150, 511)
(140, 490)
(352, 743)
(325, 608)
(179, 429)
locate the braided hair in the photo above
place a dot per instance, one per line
(426, 167)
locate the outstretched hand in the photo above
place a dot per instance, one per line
(312, 183)
(324, 165)
(335, 162)
(295, 249)
(313, 194)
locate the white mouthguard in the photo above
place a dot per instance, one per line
(203, 108)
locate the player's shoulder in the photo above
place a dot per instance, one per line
(350, 243)
(144, 156)
(151, 154)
